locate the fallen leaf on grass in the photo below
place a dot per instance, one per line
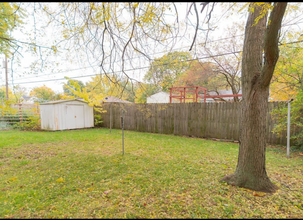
(60, 180)
(259, 194)
(106, 192)
(13, 179)
(301, 154)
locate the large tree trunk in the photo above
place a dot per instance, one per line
(256, 75)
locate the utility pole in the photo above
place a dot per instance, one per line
(6, 78)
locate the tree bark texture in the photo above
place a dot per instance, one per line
(260, 54)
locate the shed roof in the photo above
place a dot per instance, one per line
(62, 101)
(115, 99)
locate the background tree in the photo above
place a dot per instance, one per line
(202, 74)
(14, 94)
(145, 90)
(11, 16)
(9, 19)
(2, 95)
(44, 94)
(68, 88)
(19, 91)
(3, 91)
(110, 85)
(112, 34)
(288, 78)
(296, 121)
(165, 70)
(287, 83)
(228, 65)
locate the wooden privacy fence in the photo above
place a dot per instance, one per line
(204, 120)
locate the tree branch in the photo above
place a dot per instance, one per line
(197, 25)
(271, 49)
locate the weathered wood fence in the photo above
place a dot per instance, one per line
(204, 120)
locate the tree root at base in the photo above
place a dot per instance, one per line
(260, 184)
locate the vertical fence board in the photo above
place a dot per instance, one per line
(204, 121)
(210, 120)
(237, 121)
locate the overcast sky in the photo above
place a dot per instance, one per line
(53, 75)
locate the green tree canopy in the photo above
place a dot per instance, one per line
(288, 78)
(165, 70)
(2, 94)
(44, 94)
(69, 87)
(14, 95)
(145, 90)
(9, 19)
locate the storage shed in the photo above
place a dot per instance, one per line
(66, 114)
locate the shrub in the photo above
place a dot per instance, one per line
(32, 123)
(98, 121)
(296, 121)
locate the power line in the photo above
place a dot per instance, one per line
(139, 68)
(176, 49)
(136, 58)
(220, 39)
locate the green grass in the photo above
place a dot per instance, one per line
(83, 174)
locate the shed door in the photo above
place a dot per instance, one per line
(74, 116)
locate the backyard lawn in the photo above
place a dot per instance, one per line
(83, 174)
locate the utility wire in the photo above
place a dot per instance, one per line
(161, 52)
(140, 57)
(145, 67)
(139, 68)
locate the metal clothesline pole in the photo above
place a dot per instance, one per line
(288, 127)
(122, 125)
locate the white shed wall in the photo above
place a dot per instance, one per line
(47, 117)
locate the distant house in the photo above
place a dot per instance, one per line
(115, 100)
(27, 100)
(160, 97)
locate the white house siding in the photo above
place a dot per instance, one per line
(160, 97)
(66, 114)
